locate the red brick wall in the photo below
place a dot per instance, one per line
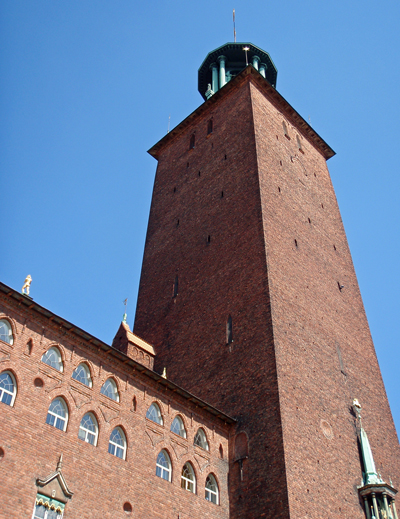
(101, 483)
(312, 319)
(227, 276)
(281, 375)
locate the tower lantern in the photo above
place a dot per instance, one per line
(226, 62)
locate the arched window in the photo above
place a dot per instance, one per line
(154, 414)
(177, 427)
(188, 479)
(6, 332)
(209, 127)
(192, 141)
(109, 388)
(201, 440)
(57, 415)
(8, 388)
(163, 466)
(82, 374)
(88, 429)
(117, 443)
(212, 492)
(52, 357)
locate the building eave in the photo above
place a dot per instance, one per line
(27, 301)
(248, 74)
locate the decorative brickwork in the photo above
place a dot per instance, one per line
(102, 484)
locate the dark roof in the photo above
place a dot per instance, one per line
(22, 299)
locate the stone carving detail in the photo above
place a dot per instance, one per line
(5, 357)
(326, 429)
(179, 449)
(202, 462)
(79, 398)
(57, 385)
(108, 413)
(155, 437)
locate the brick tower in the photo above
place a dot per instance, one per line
(249, 295)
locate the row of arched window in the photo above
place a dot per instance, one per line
(52, 357)
(188, 478)
(57, 416)
(81, 373)
(177, 426)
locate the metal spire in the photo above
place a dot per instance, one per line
(125, 316)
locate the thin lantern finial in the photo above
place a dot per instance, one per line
(125, 301)
(169, 120)
(246, 49)
(234, 27)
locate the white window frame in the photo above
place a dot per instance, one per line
(204, 441)
(65, 419)
(60, 361)
(163, 469)
(115, 396)
(187, 482)
(88, 377)
(182, 428)
(88, 432)
(117, 445)
(157, 409)
(212, 492)
(8, 326)
(6, 391)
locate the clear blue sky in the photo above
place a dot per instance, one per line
(87, 87)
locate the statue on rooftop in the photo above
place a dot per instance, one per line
(27, 284)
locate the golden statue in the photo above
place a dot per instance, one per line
(27, 284)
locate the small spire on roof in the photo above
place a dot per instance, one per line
(59, 464)
(125, 316)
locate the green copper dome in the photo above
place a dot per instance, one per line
(224, 63)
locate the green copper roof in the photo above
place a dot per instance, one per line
(235, 62)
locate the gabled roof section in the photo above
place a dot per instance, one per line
(125, 334)
(133, 346)
(248, 74)
(58, 476)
